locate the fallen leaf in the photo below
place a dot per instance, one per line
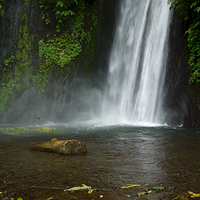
(78, 188)
(130, 185)
(190, 192)
(158, 188)
(181, 197)
(73, 197)
(194, 195)
(50, 198)
(141, 193)
(91, 191)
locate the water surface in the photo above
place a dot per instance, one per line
(117, 156)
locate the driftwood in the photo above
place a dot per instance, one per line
(65, 147)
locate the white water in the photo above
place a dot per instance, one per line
(134, 92)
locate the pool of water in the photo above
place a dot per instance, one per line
(160, 156)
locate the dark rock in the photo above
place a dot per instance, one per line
(64, 147)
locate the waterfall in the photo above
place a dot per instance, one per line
(134, 91)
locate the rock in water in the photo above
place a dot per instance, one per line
(65, 147)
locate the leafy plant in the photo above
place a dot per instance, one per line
(18, 76)
(1, 8)
(5, 91)
(63, 47)
(7, 62)
(61, 10)
(58, 51)
(190, 10)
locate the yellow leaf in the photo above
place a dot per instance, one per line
(141, 193)
(194, 195)
(78, 188)
(124, 187)
(180, 198)
(129, 186)
(190, 192)
(90, 191)
(51, 198)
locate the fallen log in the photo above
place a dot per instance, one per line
(64, 147)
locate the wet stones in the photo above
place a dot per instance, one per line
(64, 147)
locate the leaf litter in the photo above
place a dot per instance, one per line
(83, 187)
(129, 186)
(148, 190)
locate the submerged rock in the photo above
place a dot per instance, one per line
(65, 147)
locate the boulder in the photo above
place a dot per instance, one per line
(64, 147)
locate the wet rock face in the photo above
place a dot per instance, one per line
(181, 102)
(64, 147)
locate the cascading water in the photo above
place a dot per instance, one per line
(134, 92)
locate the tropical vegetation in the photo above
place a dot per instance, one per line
(190, 11)
(1, 8)
(71, 32)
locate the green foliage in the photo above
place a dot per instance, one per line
(23, 69)
(61, 10)
(190, 10)
(74, 35)
(60, 50)
(9, 61)
(1, 8)
(5, 91)
(64, 47)
(17, 77)
(26, 3)
(41, 78)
